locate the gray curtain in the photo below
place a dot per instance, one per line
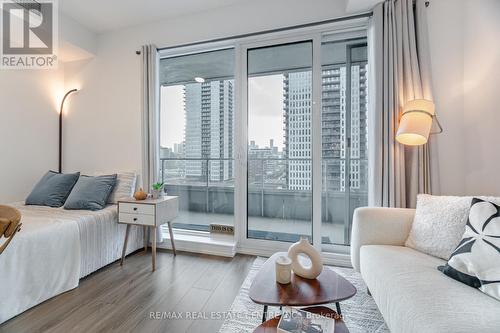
(150, 119)
(400, 72)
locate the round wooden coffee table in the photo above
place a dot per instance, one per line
(271, 325)
(328, 287)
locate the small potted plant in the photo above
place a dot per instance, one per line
(157, 190)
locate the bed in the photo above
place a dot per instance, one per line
(54, 250)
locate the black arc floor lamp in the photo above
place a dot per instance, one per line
(61, 125)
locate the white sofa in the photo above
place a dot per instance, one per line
(411, 294)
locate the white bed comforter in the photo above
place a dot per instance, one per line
(53, 250)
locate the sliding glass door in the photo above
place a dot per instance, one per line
(197, 136)
(269, 135)
(279, 153)
(344, 136)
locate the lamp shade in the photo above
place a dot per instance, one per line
(416, 122)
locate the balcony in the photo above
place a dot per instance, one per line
(276, 210)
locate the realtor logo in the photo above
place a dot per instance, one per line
(29, 34)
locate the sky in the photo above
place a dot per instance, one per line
(265, 112)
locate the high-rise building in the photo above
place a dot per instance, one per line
(179, 149)
(297, 89)
(335, 129)
(208, 133)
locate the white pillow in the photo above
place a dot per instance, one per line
(124, 188)
(439, 223)
(476, 261)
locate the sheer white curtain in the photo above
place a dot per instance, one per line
(150, 119)
(400, 72)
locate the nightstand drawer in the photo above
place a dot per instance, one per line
(131, 208)
(136, 219)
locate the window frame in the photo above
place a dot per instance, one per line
(341, 30)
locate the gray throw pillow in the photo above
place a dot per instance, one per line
(91, 193)
(53, 189)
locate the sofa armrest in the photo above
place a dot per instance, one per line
(379, 226)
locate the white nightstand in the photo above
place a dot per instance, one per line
(148, 213)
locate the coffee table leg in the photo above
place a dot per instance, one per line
(338, 308)
(264, 314)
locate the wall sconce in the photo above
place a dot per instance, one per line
(416, 122)
(61, 126)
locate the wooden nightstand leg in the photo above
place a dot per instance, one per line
(153, 248)
(125, 244)
(171, 237)
(145, 230)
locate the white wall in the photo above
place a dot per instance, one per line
(465, 56)
(482, 97)
(29, 106)
(445, 26)
(28, 127)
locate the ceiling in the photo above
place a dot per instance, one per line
(354, 6)
(102, 16)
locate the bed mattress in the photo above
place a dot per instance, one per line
(54, 249)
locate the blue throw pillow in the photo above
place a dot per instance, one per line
(53, 189)
(91, 193)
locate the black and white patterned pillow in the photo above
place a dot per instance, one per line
(476, 260)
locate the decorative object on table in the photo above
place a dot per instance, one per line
(476, 260)
(296, 320)
(156, 190)
(283, 270)
(61, 112)
(303, 247)
(328, 287)
(10, 219)
(140, 195)
(361, 313)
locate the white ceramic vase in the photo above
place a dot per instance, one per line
(155, 194)
(311, 271)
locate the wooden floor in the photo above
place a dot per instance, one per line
(120, 299)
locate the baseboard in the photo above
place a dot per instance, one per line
(200, 244)
(332, 259)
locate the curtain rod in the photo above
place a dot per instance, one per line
(306, 25)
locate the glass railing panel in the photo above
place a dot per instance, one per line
(206, 192)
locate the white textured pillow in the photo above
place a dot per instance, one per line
(124, 188)
(439, 223)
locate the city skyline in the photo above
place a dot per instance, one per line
(209, 124)
(265, 101)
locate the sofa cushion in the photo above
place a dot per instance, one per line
(124, 188)
(476, 261)
(413, 296)
(53, 189)
(439, 223)
(91, 193)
